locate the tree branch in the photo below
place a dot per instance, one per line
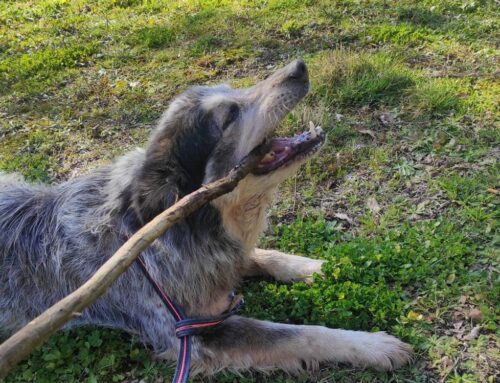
(19, 345)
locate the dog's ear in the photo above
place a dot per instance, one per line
(176, 158)
(194, 145)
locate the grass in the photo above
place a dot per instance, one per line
(357, 80)
(402, 202)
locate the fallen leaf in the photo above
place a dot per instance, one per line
(463, 299)
(458, 325)
(368, 132)
(475, 314)
(445, 361)
(359, 129)
(373, 205)
(474, 333)
(492, 191)
(458, 330)
(343, 217)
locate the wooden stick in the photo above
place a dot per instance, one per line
(19, 345)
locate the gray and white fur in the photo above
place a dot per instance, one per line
(54, 238)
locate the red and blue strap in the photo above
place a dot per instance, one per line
(185, 328)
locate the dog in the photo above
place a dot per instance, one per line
(54, 238)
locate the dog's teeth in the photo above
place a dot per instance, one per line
(313, 130)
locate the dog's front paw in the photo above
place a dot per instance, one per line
(384, 352)
(312, 267)
(380, 351)
(287, 267)
(301, 269)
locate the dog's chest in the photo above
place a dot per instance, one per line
(199, 271)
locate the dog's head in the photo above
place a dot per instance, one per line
(208, 130)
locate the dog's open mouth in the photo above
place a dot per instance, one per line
(288, 150)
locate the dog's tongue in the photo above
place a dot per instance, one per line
(286, 148)
(282, 146)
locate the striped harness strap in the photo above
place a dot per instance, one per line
(186, 327)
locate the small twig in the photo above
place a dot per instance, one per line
(19, 345)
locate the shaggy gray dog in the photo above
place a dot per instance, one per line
(53, 238)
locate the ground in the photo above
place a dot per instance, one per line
(402, 201)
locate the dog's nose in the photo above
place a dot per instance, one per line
(298, 70)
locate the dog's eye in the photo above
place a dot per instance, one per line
(232, 115)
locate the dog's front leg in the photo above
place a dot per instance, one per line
(283, 267)
(243, 343)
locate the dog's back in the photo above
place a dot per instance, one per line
(39, 253)
(27, 213)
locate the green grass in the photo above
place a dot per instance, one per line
(355, 80)
(153, 37)
(83, 81)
